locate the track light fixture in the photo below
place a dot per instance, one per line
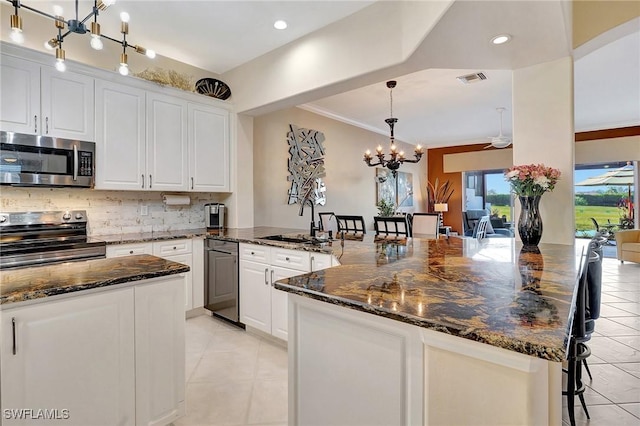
(78, 26)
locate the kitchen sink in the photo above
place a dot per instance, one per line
(287, 239)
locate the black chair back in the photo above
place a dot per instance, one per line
(594, 281)
(351, 224)
(392, 225)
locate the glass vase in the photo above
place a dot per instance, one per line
(530, 222)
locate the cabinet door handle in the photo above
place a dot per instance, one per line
(150, 182)
(130, 251)
(13, 333)
(142, 180)
(266, 280)
(313, 259)
(272, 277)
(46, 127)
(35, 124)
(191, 183)
(286, 258)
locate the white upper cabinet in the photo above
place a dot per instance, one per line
(167, 155)
(120, 137)
(20, 88)
(208, 148)
(40, 100)
(148, 138)
(67, 105)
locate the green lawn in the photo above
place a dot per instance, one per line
(599, 213)
(583, 216)
(502, 210)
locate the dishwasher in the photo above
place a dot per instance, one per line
(221, 279)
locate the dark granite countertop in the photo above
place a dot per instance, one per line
(493, 292)
(19, 285)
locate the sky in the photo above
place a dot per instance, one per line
(501, 186)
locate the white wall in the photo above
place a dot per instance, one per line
(351, 187)
(111, 212)
(543, 133)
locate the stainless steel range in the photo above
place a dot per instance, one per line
(38, 238)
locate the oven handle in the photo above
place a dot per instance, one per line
(75, 162)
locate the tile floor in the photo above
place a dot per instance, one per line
(235, 378)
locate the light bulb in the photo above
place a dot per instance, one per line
(58, 10)
(96, 42)
(124, 69)
(16, 35)
(61, 66)
(150, 53)
(109, 2)
(124, 17)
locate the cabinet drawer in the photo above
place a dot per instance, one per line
(171, 247)
(255, 253)
(129, 249)
(292, 259)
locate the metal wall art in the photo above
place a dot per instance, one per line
(306, 166)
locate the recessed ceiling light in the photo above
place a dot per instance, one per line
(501, 39)
(280, 24)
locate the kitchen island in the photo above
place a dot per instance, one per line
(448, 331)
(97, 342)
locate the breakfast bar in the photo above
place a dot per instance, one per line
(423, 331)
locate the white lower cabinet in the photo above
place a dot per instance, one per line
(262, 306)
(160, 352)
(185, 251)
(114, 357)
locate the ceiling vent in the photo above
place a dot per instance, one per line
(472, 78)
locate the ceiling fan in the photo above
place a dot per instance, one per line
(499, 141)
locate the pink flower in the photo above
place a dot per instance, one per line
(532, 179)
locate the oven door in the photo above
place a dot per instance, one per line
(30, 160)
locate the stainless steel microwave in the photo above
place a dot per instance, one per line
(31, 160)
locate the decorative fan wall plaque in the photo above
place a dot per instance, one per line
(214, 88)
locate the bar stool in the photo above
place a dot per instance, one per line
(581, 329)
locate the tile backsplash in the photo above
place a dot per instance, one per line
(112, 212)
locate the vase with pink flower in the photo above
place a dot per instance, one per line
(529, 182)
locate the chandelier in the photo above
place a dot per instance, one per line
(78, 26)
(395, 158)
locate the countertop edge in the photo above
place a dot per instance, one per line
(43, 293)
(492, 339)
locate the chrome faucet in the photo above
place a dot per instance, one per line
(312, 228)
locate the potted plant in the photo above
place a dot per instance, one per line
(385, 208)
(438, 194)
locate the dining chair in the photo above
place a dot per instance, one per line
(425, 224)
(481, 228)
(391, 226)
(348, 224)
